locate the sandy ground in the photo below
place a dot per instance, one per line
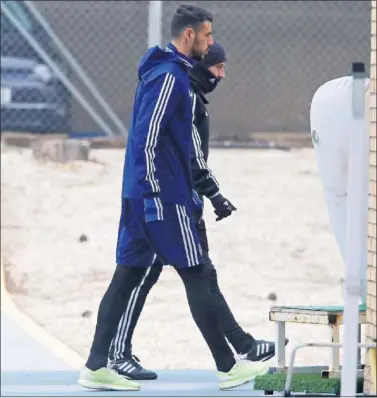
(278, 241)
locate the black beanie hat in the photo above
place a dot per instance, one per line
(216, 55)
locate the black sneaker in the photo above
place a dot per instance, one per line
(261, 350)
(130, 367)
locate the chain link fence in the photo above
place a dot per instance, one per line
(279, 52)
(107, 39)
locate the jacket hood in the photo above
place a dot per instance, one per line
(156, 55)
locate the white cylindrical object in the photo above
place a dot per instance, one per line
(155, 23)
(333, 121)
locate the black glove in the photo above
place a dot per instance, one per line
(223, 207)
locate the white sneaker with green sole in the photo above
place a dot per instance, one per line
(106, 379)
(242, 372)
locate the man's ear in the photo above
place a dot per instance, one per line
(189, 33)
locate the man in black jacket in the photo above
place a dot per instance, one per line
(204, 77)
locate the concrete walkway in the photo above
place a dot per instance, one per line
(34, 363)
(29, 368)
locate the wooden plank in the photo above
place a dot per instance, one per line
(108, 142)
(325, 308)
(295, 317)
(24, 140)
(311, 317)
(319, 309)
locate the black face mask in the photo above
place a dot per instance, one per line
(206, 81)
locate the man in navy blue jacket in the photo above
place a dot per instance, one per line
(158, 207)
(204, 77)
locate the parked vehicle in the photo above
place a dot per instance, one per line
(33, 99)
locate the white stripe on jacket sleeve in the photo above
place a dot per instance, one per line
(197, 143)
(154, 128)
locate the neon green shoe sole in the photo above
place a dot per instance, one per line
(106, 379)
(242, 372)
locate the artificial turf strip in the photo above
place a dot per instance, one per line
(310, 383)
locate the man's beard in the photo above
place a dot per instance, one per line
(195, 53)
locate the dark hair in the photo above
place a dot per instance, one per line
(188, 16)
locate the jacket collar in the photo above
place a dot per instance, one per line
(186, 60)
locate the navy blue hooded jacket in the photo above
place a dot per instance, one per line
(159, 143)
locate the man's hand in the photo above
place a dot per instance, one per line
(153, 209)
(223, 207)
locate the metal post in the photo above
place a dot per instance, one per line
(280, 346)
(359, 349)
(47, 59)
(76, 66)
(335, 352)
(357, 191)
(155, 23)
